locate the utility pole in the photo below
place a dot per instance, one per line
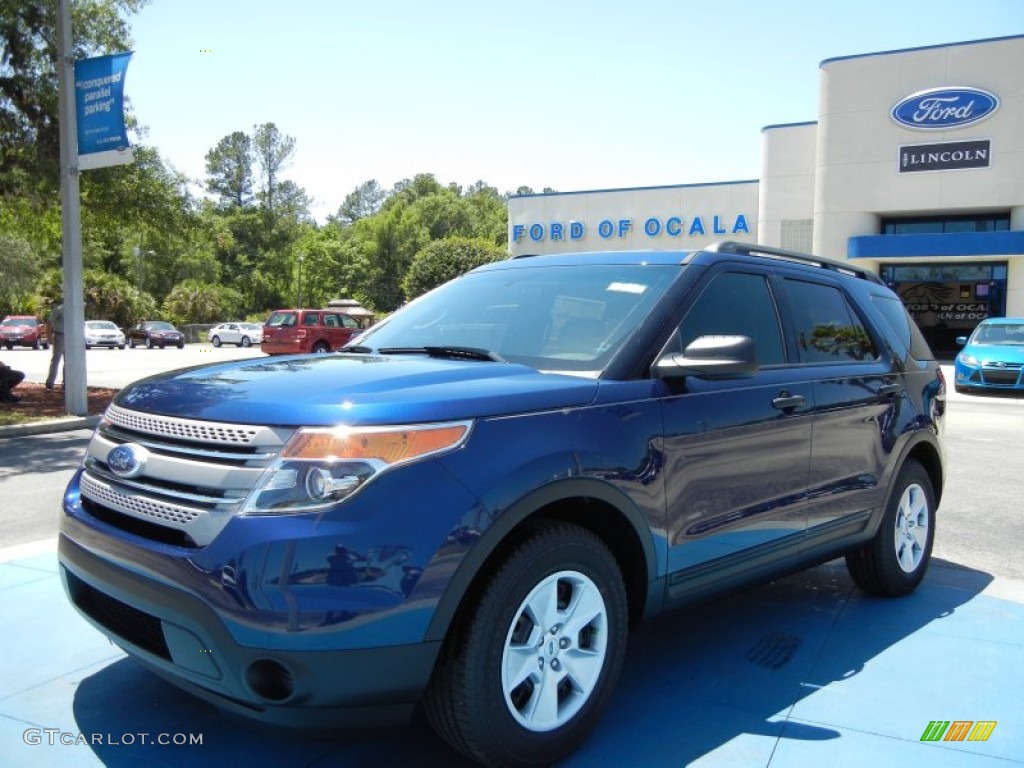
(76, 400)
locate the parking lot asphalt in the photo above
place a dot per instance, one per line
(805, 671)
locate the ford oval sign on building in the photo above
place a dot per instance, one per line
(939, 109)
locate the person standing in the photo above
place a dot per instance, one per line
(9, 379)
(57, 343)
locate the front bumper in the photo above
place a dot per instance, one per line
(183, 639)
(1008, 376)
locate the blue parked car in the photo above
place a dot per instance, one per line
(993, 357)
(469, 506)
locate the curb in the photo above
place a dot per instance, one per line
(47, 427)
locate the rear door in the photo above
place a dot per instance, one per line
(857, 393)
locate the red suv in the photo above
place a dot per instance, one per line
(23, 331)
(298, 331)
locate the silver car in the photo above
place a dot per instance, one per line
(240, 334)
(103, 333)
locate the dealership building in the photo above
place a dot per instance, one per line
(914, 169)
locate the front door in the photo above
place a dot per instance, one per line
(737, 451)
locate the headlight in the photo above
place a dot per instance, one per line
(321, 466)
(970, 360)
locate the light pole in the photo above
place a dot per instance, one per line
(139, 253)
(298, 292)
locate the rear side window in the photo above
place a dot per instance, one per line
(311, 318)
(827, 329)
(736, 304)
(906, 330)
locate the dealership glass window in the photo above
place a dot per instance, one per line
(934, 225)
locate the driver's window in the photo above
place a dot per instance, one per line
(736, 304)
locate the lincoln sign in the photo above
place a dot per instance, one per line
(944, 157)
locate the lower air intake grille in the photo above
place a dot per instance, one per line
(137, 627)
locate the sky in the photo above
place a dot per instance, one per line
(567, 94)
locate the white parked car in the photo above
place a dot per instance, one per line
(240, 334)
(103, 333)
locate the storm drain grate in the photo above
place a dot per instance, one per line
(773, 650)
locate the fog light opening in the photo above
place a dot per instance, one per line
(270, 680)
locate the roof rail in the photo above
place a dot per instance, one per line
(753, 249)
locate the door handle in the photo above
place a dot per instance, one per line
(890, 389)
(786, 401)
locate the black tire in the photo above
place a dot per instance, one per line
(215, 341)
(120, 346)
(9, 346)
(321, 348)
(246, 342)
(895, 560)
(88, 346)
(181, 345)
(149, 343)
(469, 701)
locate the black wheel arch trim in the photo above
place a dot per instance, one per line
(527, 508)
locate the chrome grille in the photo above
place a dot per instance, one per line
(197, 473)
(186, 429)
(140, 506)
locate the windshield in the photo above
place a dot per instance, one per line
(9, 321)
(160, 326)
(999, 333)
(101, 325)
(558, 318)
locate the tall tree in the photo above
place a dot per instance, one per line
(274, 151)
(229, 170)
(365, 200)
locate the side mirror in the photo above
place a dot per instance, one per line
(961, 340)
(711, 357)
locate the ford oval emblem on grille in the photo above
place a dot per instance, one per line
(939, 109)
(128, 460)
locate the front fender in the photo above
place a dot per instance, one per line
(567, 489)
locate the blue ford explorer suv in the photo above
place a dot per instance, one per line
(471, 504)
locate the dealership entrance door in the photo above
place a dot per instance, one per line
(949, 300)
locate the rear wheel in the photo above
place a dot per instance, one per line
(246, 341)
(895, 560)
(531, 666)
(321, 348)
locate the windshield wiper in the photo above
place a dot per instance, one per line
(357, 350)
(452, 353)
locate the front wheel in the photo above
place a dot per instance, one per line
(216, 341)
(895, 560)
(532, 663)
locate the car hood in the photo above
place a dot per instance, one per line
(1004, 353)
(354, 389)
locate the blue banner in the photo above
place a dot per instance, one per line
(99, 104)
